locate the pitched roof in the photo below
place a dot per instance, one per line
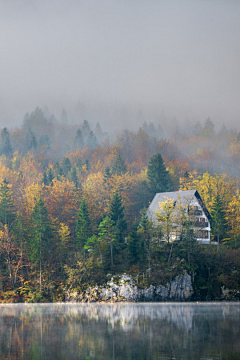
(185, 196)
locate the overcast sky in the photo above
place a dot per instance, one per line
(120, 57)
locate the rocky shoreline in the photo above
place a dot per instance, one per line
(123, 288)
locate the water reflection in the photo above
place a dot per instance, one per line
(121, 331)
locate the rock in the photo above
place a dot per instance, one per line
(123, 288)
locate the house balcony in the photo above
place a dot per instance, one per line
(200, 224)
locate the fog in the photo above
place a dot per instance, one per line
(120, 62)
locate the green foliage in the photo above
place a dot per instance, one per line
(219, 222)
(41, 234)
(107, 233)
(30, 140)
(158, 176)
(119, 167)
(74, 177)
(50, 176)
(83, 226)
(118, 217)
(78, 141)
(5, 144)
(91, 140)
(66, 166)
(133, 245)
(7, 210)
(45, 178)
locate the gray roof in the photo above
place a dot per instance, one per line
(185, 196)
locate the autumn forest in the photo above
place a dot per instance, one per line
(73, 201)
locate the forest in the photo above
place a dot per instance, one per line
(73, 202)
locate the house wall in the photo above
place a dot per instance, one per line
(203, 229)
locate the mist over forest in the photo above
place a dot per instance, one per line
(103, 104)
(121, 63)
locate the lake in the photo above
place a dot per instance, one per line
(205, 331)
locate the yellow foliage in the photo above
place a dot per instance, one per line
(31, 196)
(210, 186)
(60, 199)
(30, 169)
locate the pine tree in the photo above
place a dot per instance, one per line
(50, 176)
(85, 129)
(107, 173)
(100, 135)
(5, 145)
(40, 241)
(79, 163)
(7, 211)
(91, 141)
(78, 141)
(30, 140)
(119, 167)
(66, 166)
(208, 129)
(74, 176)
(158, 176)
(45, 178)
(219, 222)
(118, 217)
(83, 226)
(58, 170)
(133, 247)
(107, 233)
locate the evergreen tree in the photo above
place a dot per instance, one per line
(44, 142)
(107, 173)
(78, 141)
(45, 178)
(7, 211)
(74, 176)
(91, 141)
(100, 135)
(119, 167)
(50, 176)
(107, 233)
(224, 131)
(31, 142)
(133, 245)
(66, 166)
(158, 176)
(83, 226)
(208, 129)
(219, 222)
(146, 232)
(144, 195)
(85, 129)
(79, 163)
(58, 170)
(87, 164)
(151, 130)
(40, 241)
(118, 217)
(5, 145)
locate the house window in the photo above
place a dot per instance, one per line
(202, 234)
(195, 210)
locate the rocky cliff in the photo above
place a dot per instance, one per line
(124, 288)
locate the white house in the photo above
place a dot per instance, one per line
(193, 206)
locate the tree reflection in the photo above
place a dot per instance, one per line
(122, 331)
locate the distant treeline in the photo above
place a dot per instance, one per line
(73, 206)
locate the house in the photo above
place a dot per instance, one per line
(192, 206)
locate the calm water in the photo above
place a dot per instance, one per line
(123, 331)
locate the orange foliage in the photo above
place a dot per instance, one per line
(61, 201)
